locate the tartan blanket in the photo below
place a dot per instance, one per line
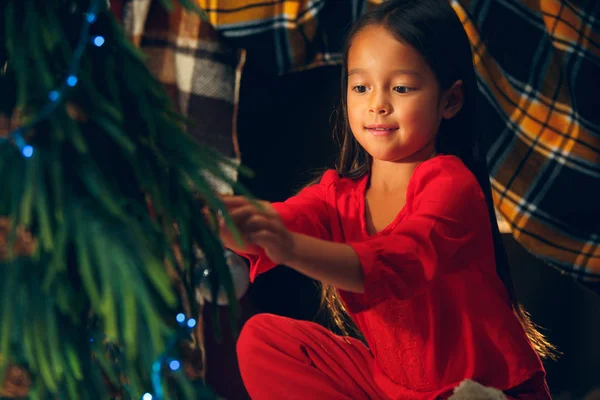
(538, 67)
(286, 35)
(200, 72)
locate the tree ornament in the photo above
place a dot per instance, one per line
(239, 274)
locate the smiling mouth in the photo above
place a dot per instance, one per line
(381, 130)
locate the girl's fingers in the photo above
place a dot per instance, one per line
(260, 222)
(241, 214)
(250, 219)
(234, 201)
(262, 238)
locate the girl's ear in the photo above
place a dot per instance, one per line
(452, 100)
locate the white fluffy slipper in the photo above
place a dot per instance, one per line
(471, 390)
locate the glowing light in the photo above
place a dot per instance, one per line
(98, 41)
(72, 80)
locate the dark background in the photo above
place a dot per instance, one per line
(284, 131)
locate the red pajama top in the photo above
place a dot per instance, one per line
(434, 312)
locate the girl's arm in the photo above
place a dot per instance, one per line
(309, 212)
(331, 263)
(334, 264)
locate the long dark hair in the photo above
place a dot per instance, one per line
(435, 31)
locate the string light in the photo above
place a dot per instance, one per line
(98, 41)
(174, 365)
(16, 136)
(91, 17)
(72, 80)
(54, 95)
(27, 151)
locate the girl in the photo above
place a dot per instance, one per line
(403, 235)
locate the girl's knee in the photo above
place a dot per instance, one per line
(256, 333)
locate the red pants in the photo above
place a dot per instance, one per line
(282, 358)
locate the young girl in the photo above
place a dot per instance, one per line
(403, 233)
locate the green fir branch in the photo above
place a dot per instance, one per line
(113, 146)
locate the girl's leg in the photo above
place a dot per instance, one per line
(282, 358)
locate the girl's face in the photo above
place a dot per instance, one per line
(394, 101)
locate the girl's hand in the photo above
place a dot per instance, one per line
(227, 238)
(260, 228)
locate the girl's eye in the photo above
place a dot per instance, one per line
(359, 88)
(402, 89)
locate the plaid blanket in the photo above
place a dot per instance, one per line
(286, 35)
(200, 72)
(538, 71)
(538, 65)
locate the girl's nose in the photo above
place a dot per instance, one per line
(380, 106)
(383, 110)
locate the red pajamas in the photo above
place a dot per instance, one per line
(434, 311)
(282, 358)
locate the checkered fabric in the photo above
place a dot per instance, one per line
(286, 35)
(538, 65)
(200, 72)
(538, 70)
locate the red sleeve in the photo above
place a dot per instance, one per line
(307, 213)
(444, 204)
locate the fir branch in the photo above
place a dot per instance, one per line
(111, 189)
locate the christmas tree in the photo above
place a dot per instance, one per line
(101, 214)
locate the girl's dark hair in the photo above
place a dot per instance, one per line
(435, 31)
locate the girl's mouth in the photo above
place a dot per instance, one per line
(381, 129)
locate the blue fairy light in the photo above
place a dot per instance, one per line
(147, 396)
(91, 18)
(165, 359)
(54, 95)
(98, 41)
(174, 365)
(72, 80)
(27, 151)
